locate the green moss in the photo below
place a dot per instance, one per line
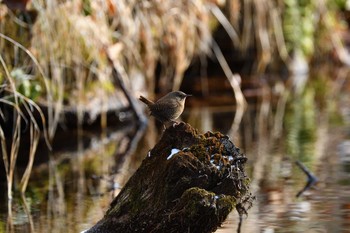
(196, 199)
(226, 204)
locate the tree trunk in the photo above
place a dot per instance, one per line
(188, 182)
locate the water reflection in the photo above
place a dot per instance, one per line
(310, 137)
(71, 189)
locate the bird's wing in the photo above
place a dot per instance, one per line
(165, 106)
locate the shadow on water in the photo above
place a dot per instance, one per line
(71, 187)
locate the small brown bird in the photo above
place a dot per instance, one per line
(168, 108)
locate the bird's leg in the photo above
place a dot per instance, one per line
(175, 123)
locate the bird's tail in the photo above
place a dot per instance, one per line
(146, 101)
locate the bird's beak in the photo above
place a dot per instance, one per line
(187, 95)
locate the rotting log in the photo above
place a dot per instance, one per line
(189, 182)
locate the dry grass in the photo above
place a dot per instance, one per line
(144, 33)
(23, 109)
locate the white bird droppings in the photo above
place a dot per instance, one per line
(173, 151)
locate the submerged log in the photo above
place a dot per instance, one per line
(189, 182)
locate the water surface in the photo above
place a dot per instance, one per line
(72, 188)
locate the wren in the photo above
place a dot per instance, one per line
(168, 108)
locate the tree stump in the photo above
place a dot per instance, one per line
(189, 182)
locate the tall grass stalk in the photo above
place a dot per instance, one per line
(10, 160)
(23, 109)
(34, 140)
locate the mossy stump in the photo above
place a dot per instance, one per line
(188, 182)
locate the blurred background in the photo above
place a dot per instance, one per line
(273, 75)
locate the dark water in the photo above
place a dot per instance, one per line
(72, 189)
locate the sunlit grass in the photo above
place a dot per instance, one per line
(75, 38)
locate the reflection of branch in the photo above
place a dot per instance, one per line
(133, 141)
(311, 178)
(122, 160)
(27, 211)
(242, 209)
(9, 223)
(240, 223)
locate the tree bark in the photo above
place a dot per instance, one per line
(189, 182)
